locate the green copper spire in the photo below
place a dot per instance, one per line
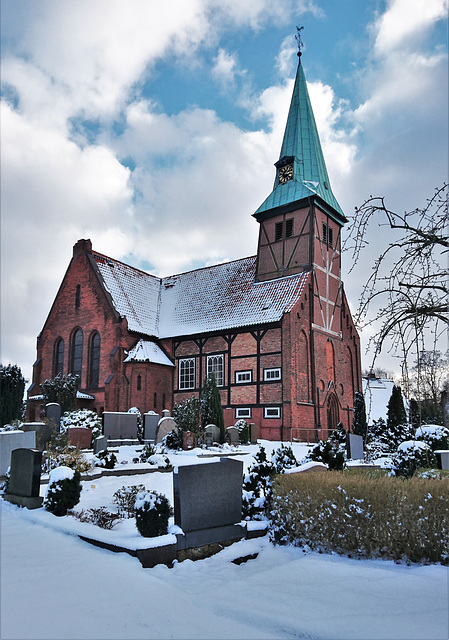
(301, 149)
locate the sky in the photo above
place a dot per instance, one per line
(152, 129)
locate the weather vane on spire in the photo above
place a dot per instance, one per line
(299, 40)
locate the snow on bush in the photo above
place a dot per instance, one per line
(435, 435)
(152, 514)
(412, 455)
(82, 418)
(243, 428)
(283, 458)
(257, 487)
(63, 491)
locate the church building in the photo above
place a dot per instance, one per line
(274, 328)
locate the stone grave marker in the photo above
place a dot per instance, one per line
(80, 437)
(150, 422)
(208, 501)
(11, 440)
(232, 436)
(25, 478)
(188, 440)
(214, 430)
(53, 413)
(354, 447)
(119, 425)
(253, 433)
(208, 438)
(443, 457)
(165, 425)
(100, 444)
(43, 433)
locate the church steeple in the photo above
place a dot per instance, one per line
(300, 171)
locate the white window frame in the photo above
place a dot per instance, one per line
(186, 380)
(243, 377)
(272, 412)
(274, 373)
(215, 365)
(243, 412)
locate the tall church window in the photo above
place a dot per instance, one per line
(215, 365)
(139, 382)
(78, 296)
(59, 357)
(77, 352)
(187, 373)
(94, 369)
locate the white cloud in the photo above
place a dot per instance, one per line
(225, 68)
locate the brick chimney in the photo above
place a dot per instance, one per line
(82, 246)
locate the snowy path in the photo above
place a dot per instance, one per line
(55, 586)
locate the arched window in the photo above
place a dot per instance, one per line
(155, 400)
(330, 361)
(77, 352)
(94, 370)
(139, 382)
(59, 357)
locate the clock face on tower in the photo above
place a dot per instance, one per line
(285, 173)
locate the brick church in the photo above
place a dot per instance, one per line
(274, 328)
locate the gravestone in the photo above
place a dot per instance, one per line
(43, 433)
(11, 440)
(253, 433)
(150, 422)
(25, 478)
(208, 438)
(208, 502)
(165, 425)
(354, 447)
(232, 436)
(118, 425)
(443, 457)
(188, 440)
(53, 413)
(214, 430)
(80, 437)
(100, 444)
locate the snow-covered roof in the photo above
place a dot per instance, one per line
(146, 351)
(377, 392)
(213, 298)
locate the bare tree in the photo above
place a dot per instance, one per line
(405, 298)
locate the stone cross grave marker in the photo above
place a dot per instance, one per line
(25, 478)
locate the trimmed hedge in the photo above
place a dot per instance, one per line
(363, 515)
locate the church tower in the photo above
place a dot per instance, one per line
(301, 220)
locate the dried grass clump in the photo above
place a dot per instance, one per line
(363, 515)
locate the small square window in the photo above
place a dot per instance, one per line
(272, 374)
(243, 412)
(272, 412)
(241, 377)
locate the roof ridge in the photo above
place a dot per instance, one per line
(96, 254)
(212, 266)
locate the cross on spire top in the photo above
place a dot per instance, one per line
(299, 40)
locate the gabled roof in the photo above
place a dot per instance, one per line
(302, 144)
(146, 351)
(216, 298)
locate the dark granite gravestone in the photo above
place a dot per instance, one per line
(253, 433)
(208, 502)
(150, 422)
(80, 437)
(25, 478)
(354, 447)
(188, 440)
(53, 413)
(100, 444)
(119, 425)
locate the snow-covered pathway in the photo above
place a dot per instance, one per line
(55, 586)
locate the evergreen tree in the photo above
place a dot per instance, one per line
(359, 423)
(396, 415)
(257, 487)
(12, 387)
(61, 389)
(187, 415)
(211, 409)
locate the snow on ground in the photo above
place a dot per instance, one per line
(53, 585)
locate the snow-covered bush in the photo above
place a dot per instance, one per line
(435, 435)
(283, 458)
(257, 487)
(172, 441)
(147, 451)
(412, 455)
(187, 416)
(326, 453)
(243, 428)
(70, 457)
(106, 459)
(101, 517)
(63, 491)
(82, 418)
(153, 511)
(125, 499)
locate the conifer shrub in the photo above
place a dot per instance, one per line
(106, 459)
(147, 451)
(412, 455)
(436, 436)
(243, 428)
(283, 458)
(100, 517)
(364, 515)
(63, 491)
(172, 441)
(257, 487)
(125, 499)
(153, 511)
(325, 452)
(82, 418)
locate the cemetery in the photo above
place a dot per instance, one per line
(216, 493)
